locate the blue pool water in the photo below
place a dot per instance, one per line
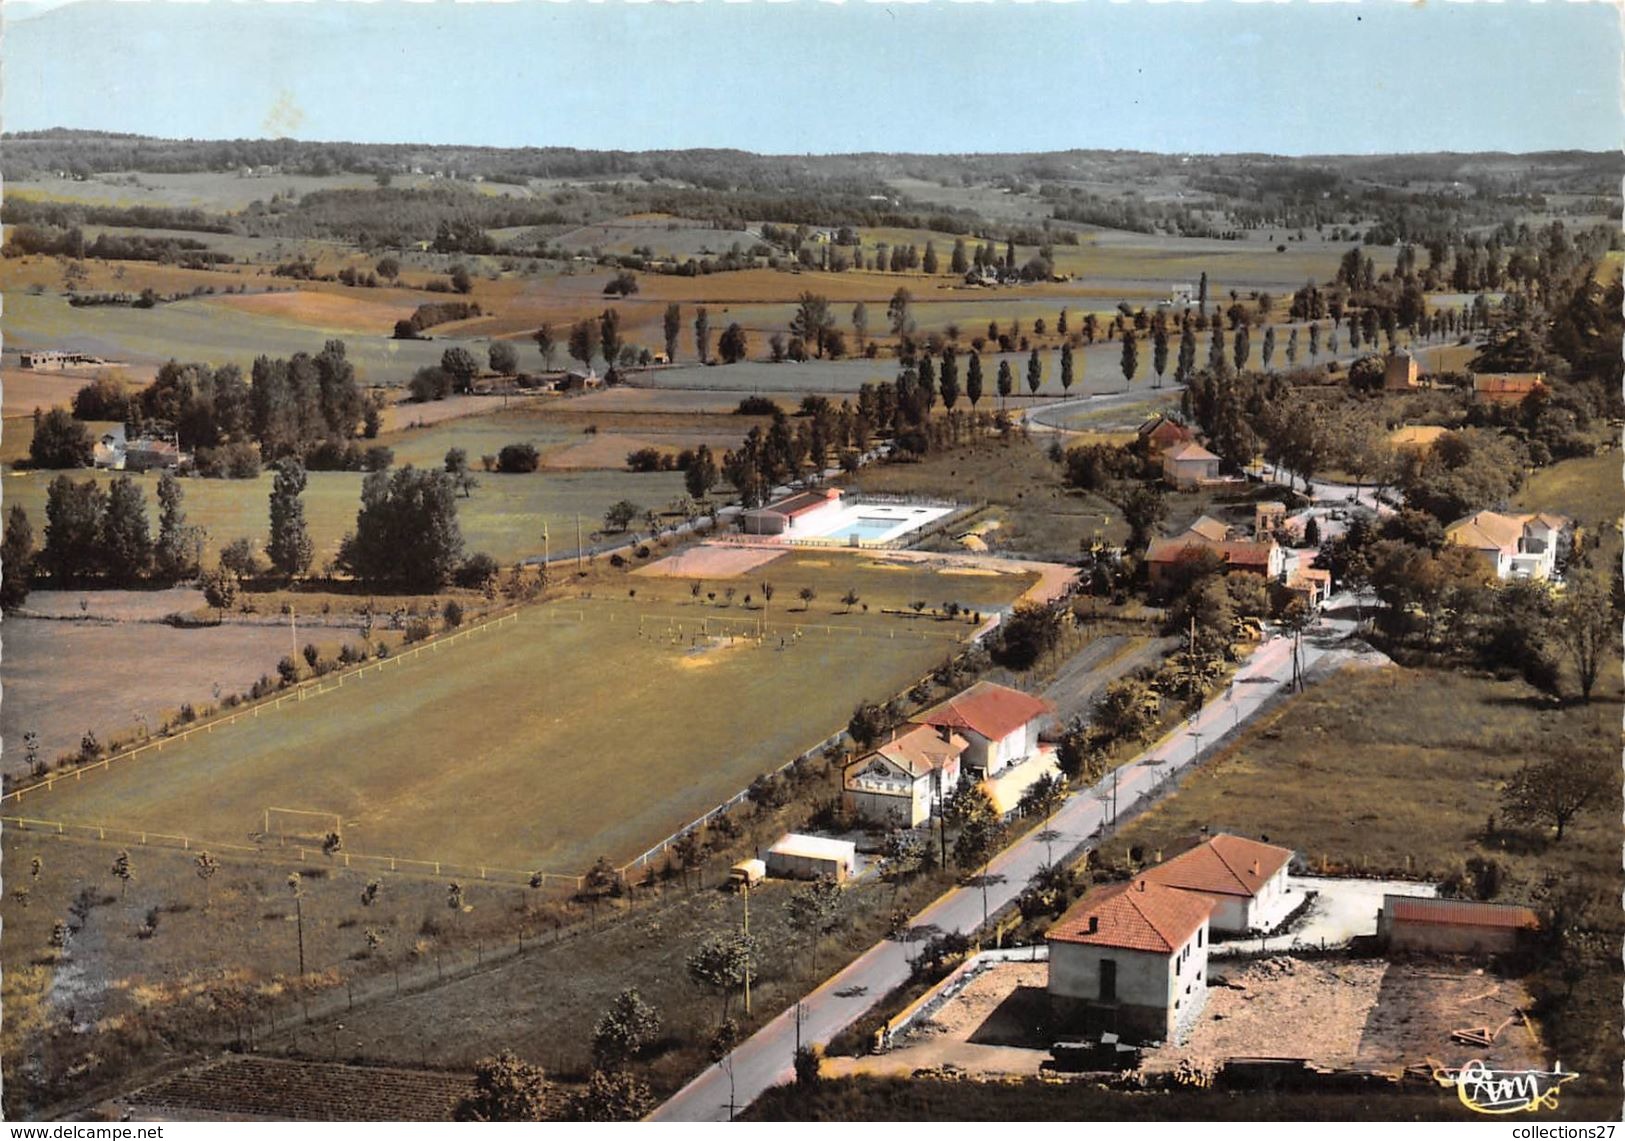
(872, 529)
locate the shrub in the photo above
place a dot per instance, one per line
(417, 630)
(477, 570)
(756, 406)
(517, 459)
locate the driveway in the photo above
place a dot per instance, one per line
(766, 1058)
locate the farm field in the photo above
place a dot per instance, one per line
(201, 329)
(485, 752)
(211, 191)
(48, 661)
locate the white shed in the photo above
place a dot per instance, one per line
(800, 857)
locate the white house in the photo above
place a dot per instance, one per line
(1515, 546)
(903, 781)
(807, 512)
(1244, 880)
(1130, 958)
(108, 453)
(1189, 464)
(1000, 725)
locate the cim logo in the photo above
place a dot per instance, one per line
(1484, 1090)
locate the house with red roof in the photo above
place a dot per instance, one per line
(1159, 433)
(1244, 880)
(903, 782)
(1130, 958)
(1515, 546)
(809, 512)
(999, 724)
(1453, 926)
(1264, 557)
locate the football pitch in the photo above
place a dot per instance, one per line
(585, 728)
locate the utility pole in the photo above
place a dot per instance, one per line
(578, 542)
(747, 946)
(293, 630)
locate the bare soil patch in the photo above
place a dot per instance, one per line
(708, 560)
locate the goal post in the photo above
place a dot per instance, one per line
(301, 825)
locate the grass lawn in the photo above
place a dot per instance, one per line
(491, 750)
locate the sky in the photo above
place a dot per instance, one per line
(811, 77)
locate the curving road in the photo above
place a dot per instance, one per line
(766, 1058)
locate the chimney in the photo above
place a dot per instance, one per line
(1256, 867)
(946, 732)
(1139, 884)
(1094, 924)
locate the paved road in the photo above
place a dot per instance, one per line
(765, 1059)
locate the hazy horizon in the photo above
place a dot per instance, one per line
(798, 79)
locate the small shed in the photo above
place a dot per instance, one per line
(800, 857)
(1452, 926)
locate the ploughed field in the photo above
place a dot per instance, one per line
(586, 728)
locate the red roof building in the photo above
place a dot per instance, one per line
(1132, 959)
(1453, 926)
(1000, 724)
(1244, 881)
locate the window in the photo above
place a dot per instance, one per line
(1108, 980)
(1198, 936)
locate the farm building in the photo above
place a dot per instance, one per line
(1452, 926)
(1163, 555)
(1189, 465)
(577, 381)
(1506, 387)
(1130, 959)
(1401, 372)
(1244, 880)
(795, 856)
(999, 724)
(149, 454)
(805, 511)
(903, 782)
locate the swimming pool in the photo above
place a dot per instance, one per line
(860, 524)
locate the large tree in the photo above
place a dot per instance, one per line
(609, 336)
(584, 341)
(813, 321)
(459, 364)
(898, 312)
(505, 1089)
(407, 536)
(973, 379)
(545, 344)
(503, 358)
(1556, 790)
(1131, 356)
(179, 553)
(702, 335)
(1587, 626)
(289, 547)
(671, 326)
(733, 346)
(126, 537)
(60, 441)
(16, 559)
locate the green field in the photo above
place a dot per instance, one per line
(199, 329)
(503, 517)
(552, 741)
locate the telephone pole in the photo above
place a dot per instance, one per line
(578, 542)
(747, 947)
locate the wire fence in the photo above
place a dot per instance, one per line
(405, 865)
(300, 692)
